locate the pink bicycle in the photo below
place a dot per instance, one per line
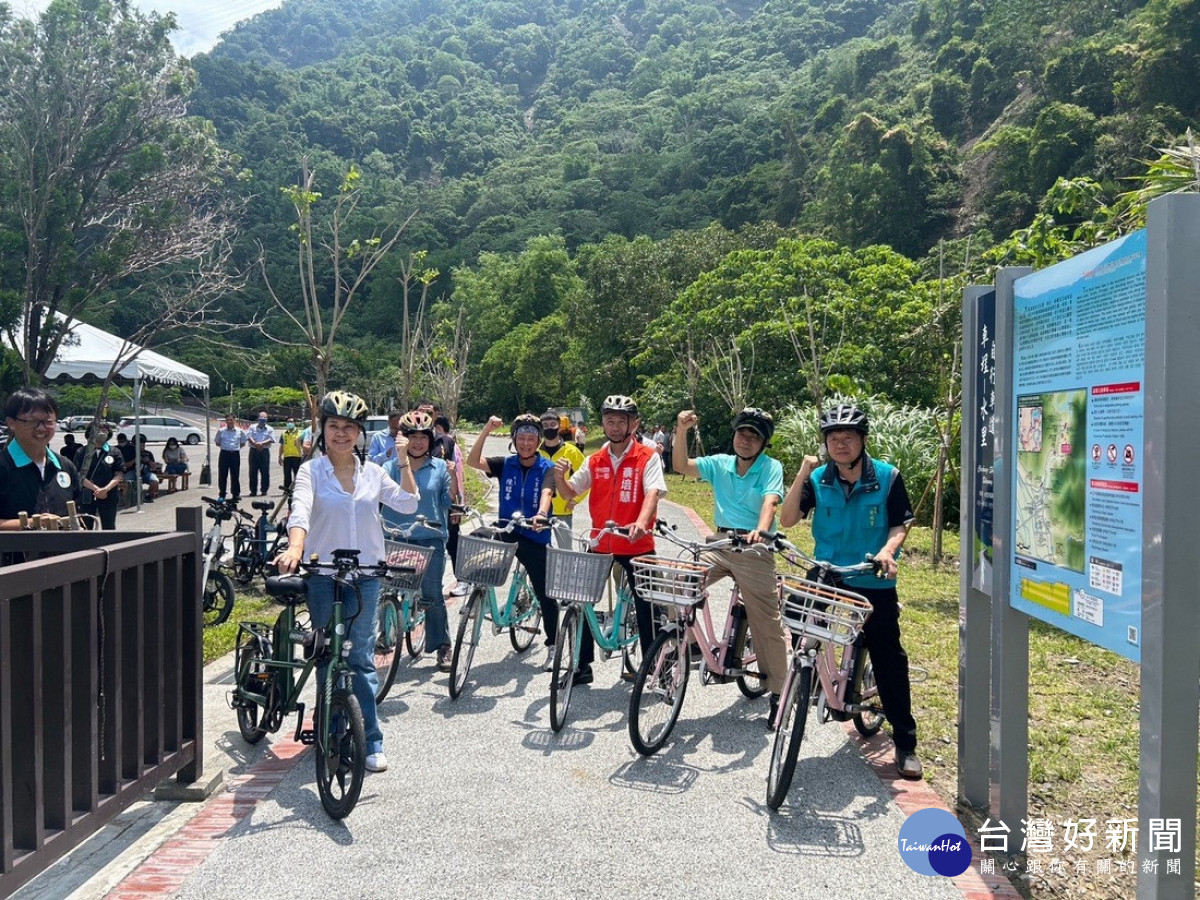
(677, 586)
(829, 669)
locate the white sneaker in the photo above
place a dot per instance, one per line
(548, 665)
(377, 762)
(459, 590)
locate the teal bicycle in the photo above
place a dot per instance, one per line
(484, 563)
(578, 581)
(401, 616)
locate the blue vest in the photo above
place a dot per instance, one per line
(521, 491)
(845, 529)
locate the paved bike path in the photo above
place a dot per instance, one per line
(483, 799)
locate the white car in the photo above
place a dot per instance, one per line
(374, 424)
(157, 429)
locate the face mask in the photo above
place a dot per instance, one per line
(550, 433)
(291, 426)
(262, 422)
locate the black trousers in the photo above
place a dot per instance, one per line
(260, 470)
(532, 556)
(291, 465)
(229, 468)
(882, 635)
(647, 631)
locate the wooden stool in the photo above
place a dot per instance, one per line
(171, 479)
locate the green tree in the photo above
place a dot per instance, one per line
(108, 185)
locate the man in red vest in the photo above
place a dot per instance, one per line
(625, 480)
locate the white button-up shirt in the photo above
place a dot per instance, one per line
(336, 520)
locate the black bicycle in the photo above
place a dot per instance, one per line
(255, 542)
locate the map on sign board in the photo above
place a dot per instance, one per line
(1052, 477)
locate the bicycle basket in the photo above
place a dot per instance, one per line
(818, 611)
(576, 577)
(670, 581)
(400, 554)
(483, 561)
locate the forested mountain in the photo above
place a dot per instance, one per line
(592, 178)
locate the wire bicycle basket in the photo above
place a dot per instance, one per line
(397, 553)
(573, 576)
(483, 561)
(821, 612)
(673, 582)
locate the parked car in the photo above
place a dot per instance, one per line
(76, 423)
(158, 428)
(374, 424)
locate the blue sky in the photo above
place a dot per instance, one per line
(200, 21)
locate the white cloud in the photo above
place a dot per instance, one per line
(200, 21)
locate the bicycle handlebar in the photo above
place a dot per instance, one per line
(779, 544)
(399, 532)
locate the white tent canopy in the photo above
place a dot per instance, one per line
(88, 350)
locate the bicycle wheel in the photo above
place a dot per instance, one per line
(525, 613)
(793, 712)
(562, 675)
(251, 674)
(414, 633)
(218, 598)
(658, 691)
(751, 684)
(387, 645)
(340, 752)
(862, 690)
(466, 641)
(631, 654)
(243, 560)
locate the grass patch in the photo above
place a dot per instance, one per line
(249, 606)
(1083, 710)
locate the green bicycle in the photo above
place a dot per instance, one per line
(270, 676)
(483, 563)
(577, 580)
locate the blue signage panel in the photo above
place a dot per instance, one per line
(1079, 338)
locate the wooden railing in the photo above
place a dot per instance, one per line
(100, 682)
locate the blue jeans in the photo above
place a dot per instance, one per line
(362, 638)
(437, 626)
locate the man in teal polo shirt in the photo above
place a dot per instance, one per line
(33, 478)
(747, 488)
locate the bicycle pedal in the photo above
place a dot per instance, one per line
(308, 736)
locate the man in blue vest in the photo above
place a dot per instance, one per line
(526, 487)
(860, 506)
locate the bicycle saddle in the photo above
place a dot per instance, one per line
(263, 504)
(290, 590)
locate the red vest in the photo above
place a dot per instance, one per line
(618, 497)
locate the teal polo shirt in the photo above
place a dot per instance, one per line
(738, 499)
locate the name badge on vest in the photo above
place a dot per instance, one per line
(63, 479)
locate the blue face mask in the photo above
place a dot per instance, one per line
(262, 422)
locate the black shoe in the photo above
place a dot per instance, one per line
(908, 764)
(252, 494)
(774, 711)
(582, 676)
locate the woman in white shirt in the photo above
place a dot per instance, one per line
(335, 505)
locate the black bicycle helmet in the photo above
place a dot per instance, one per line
(416, 422)
(758, 420)
(526, 420)
(843, 416)
(344, 405)
(618, 403)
